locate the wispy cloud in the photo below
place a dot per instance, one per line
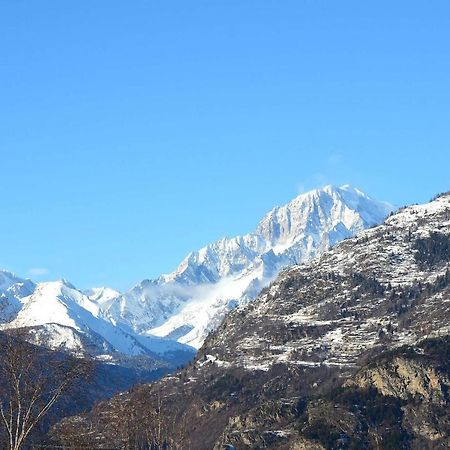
(38, 271)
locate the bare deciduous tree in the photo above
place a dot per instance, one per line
(32, 380)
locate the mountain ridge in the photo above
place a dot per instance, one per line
(187, 304)
(61, 317)
(193, 299)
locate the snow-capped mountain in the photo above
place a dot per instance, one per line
(191, 301)
(60, 316)
(187, 304)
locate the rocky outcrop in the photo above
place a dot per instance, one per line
(404, 379)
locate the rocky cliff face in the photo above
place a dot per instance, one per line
(350, 351)
(404, 378)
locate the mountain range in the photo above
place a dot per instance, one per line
(190, 302)
(350, 351)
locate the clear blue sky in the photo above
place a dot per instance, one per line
(132, 132)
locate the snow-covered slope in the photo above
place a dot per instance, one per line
(61, 316)
(102, 295)
(191, 301)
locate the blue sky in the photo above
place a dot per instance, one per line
(134, 132)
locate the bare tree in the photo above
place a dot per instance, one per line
(32, 379)
(137, 420)
(145, 421)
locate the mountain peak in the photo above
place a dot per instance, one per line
(327, 207)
